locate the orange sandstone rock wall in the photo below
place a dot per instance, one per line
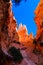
(10, 34)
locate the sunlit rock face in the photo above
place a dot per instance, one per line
(28, 48)
(39, 18)
(39, 22)
(22, 32)
(25, 38)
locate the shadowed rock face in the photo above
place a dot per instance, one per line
(4, 38)
(15, 53)
(6, 0)
(4, 58)
(40, 39)
(3, 12)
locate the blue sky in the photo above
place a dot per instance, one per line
(24, 13)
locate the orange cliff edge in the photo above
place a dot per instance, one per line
(39, 19)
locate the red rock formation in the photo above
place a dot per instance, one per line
(11, 37)
(8, 32)
(39, 23)
(39, 18)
